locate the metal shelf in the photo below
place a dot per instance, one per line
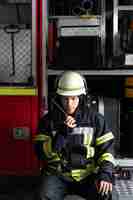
(125, 8)
(73, 17)
(123, 72)
(84, 26)
(79, 31)
(124, 162)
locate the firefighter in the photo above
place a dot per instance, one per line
(77, 144)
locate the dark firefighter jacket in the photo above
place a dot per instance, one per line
(79, 152)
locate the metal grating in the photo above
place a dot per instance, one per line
(20, 71)
(124, 189)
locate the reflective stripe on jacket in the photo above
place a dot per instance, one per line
(92, 132)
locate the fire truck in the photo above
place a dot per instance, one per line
(40, 39)
(21, 29)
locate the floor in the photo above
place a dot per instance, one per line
(18, 188)
(23, 188)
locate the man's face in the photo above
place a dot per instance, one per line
(70, 103)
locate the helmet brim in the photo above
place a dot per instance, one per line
(71, 93)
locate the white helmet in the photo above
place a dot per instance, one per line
(71, 84)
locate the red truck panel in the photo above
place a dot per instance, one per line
(17, 155)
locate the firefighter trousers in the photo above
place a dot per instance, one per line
(54, 187)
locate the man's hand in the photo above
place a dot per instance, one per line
(104, 187)
(70, 121)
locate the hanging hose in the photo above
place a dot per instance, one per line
(12, 29)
